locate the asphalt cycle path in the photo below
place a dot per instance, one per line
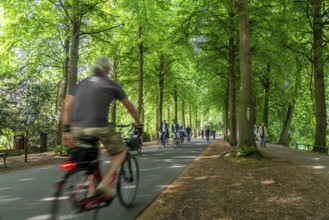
(312, 160)
(27, 195)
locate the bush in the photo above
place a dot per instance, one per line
(14, 152)
(146, 137)
(61, 150)
(247, 151)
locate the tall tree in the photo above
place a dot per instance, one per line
(232, 84)
(246, 118)
(140, 71)
(319, 86)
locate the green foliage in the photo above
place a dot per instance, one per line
(193, 36)
(247, 151)
(146, 137)
(36, 150)
(13, 152)
(61, 150)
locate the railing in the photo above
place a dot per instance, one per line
(309, 147)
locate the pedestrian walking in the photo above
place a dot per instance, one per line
(262, 134)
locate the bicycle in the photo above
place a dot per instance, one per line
(75, 196)
(176, 141)
(134, 142)
(161, 142)
(188, 137)
(207, 137)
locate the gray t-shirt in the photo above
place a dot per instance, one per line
(92, 98)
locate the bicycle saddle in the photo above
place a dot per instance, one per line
(89, 139)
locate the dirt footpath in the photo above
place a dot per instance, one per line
(218, 185)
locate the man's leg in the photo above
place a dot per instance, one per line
(164, 138)
(118, 151)
(116, 161)
(264, 142)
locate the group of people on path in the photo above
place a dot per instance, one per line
(177, 130)
(208, 132)
(261, 134)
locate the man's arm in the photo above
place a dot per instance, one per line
(67, 108)
(132, 110)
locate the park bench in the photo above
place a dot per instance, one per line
(4, 155)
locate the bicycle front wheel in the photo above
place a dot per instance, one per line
(159, 143)
(72, 190)
(175, 143)
(128, 181)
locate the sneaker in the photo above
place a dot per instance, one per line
(107, 191)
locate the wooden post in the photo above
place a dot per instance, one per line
(26, 144)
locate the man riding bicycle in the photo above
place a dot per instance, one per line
(175, 128)
(207, 133)
(188, 133)
(163, 132)
(85, 113)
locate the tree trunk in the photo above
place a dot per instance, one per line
(43, 140)
(62, 93)
(232, 95)
(114, 102)
(183, 113)
(140, 71)
(157, 123)
(74, 53)
(175, 103)
(226, 130)
(319, 87)
(196, 129)
(161, 86)
(284, 135)
(287, 124)
(267, 85)
(246, 119)
(190, 116)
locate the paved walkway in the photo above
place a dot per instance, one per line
(311, 160)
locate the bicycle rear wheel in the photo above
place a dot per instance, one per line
(140, 146)
(128, 181)
(175, 143)
(72, 190)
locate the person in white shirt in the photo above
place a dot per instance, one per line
(163, 130)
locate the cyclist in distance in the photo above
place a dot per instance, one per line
(86, 110)
(207, 133)
(175, 128)
(188, 133)
(163, 131)
(202, 134)
(182, 133)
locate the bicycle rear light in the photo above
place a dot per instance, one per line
(67, 165)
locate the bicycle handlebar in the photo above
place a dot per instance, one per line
(124, 126)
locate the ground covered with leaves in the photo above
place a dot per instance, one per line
(16, 163)
(219, 185)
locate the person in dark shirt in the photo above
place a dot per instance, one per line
(188, 133)
(86, 110)
(174, 128)
(207, 133)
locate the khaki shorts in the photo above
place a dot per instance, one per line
(111, 139)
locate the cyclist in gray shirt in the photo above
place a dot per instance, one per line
(86, 110)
